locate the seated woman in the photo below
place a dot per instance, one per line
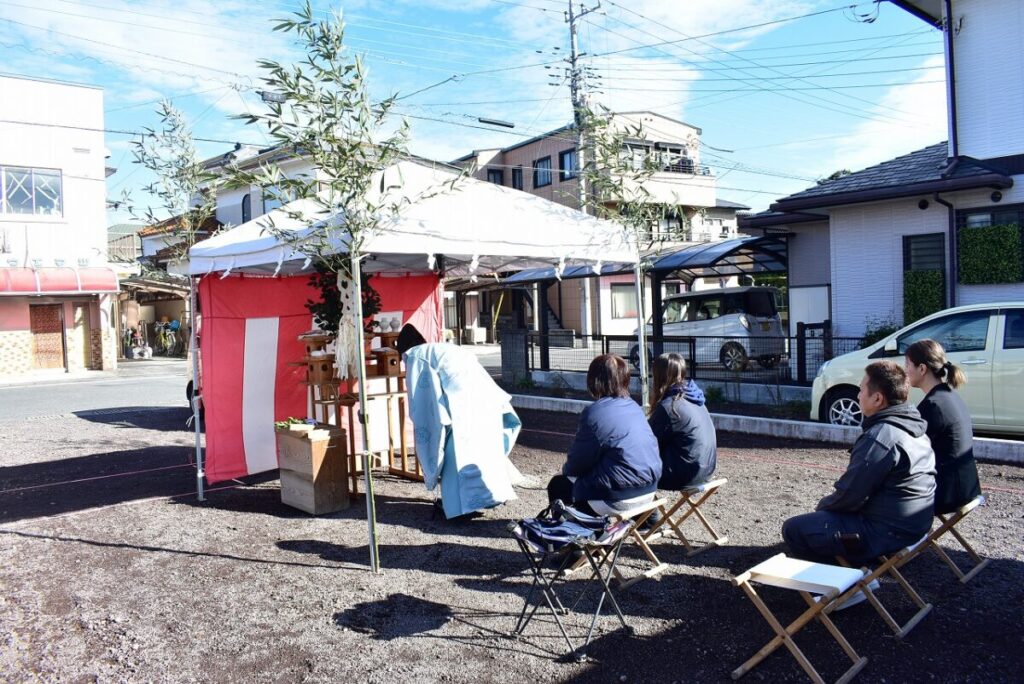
(949, 424)
(613, 462)
(682, 425)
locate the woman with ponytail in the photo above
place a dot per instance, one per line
(949, 424)
(679, 419)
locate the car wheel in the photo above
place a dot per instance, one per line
(841, 407)
(733, 356)
(634, 357)
(188, 392)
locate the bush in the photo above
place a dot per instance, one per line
(923, 294)
(990, 255)
(877, 328)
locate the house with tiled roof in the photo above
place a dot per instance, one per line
(935, 228)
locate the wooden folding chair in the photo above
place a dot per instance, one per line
(828, 581)
(686, 498)
(949, 522)
(639, 516)
(890, 565)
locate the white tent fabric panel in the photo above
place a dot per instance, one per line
(478, 227)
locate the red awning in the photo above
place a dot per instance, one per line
(43, 281)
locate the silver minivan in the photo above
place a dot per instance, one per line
(734, 325)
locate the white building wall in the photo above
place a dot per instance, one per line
(989, 77)
(867, 259)
(80, 231)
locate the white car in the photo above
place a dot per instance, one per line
(731, 326)
(985, 340)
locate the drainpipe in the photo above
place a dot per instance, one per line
(954, 142)
(954, 257)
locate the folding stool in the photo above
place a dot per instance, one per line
(890, 565)
(686, 497)
(639, 516)
(949, 522)
(548, 563)
(828, 581)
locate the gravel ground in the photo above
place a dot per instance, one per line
(118, 579)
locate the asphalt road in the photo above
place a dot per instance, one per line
(148, 383)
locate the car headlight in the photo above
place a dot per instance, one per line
(744, 321)
(821, 369)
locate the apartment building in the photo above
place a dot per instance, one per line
(56, 287)
(546, 165)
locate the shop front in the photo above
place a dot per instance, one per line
(56, 319)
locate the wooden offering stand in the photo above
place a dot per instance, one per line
(327, 397)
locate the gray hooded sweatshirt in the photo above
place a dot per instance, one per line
(890, 480)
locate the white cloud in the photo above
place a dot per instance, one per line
(906, 118)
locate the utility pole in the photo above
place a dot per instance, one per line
(579, 105)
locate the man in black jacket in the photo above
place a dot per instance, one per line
(884, 501)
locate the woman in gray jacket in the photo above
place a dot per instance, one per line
(680, 421)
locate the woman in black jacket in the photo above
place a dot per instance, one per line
(949, 424)
(613, 462)
(682, 425)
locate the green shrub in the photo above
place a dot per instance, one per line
(876, 328)
(714, 395)
(923, 294)
(991, 254)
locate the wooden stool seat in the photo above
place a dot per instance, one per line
(890, 565)
(830, 582)
(639, 516)
(949, 523)
(686, 498)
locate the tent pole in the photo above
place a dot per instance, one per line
(195, 398)
(641, 328)
(363, 414)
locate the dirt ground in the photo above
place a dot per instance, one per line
(129, 578)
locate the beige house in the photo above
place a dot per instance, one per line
(546, 166)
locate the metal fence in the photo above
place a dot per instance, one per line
(776, 360)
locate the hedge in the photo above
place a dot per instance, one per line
(991, 254)
(923, 294)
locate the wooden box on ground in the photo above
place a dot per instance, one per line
(314, 469)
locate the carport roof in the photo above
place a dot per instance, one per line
(739, 256)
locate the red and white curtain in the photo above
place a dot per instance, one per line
(249, 348)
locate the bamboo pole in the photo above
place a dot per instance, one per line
(363, 415)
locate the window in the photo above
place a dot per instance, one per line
(676, 311)
(496, 176)
(1013, 337)
(30, 191)
(708, 309)
(247, 208)
(542, 172)
(271, 198)
(957, 333)
(924, 252)
(623, 301)
(517, 178)
(567, 165)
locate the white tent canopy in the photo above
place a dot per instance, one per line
(477, 226)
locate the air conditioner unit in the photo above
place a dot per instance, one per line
(474, 335)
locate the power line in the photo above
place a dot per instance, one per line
(675, 69)
(725, 31)
(828, 105)
(786, 78)
(781, 89)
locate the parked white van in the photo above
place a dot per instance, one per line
(731, 325)
(985, 340)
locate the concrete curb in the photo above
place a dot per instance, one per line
(1005, 451)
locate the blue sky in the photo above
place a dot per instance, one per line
(780, 104)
